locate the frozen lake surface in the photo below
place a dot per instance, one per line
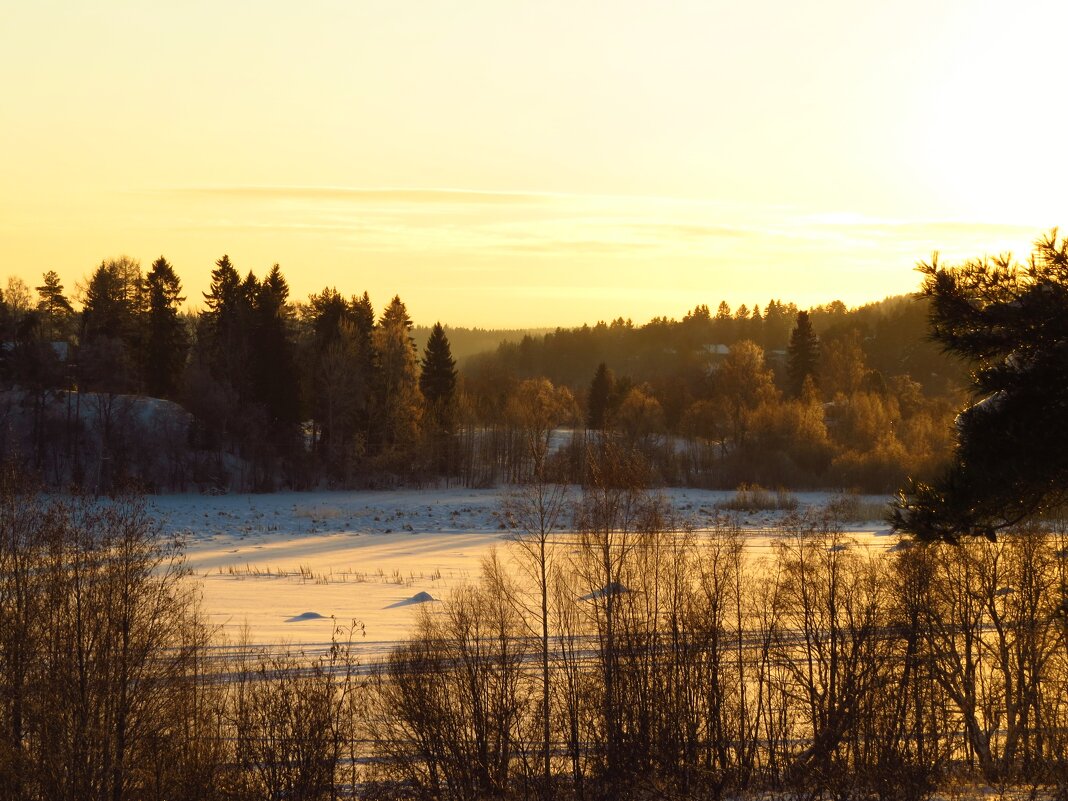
(284, 567)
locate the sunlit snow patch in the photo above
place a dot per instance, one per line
(418, 598)
(304, 616)
(614, 588)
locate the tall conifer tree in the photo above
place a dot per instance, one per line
(53, 307)
(399, 399)
(803, 355)
(226, 326)
(166, 338)
(275, 384)
(600, 395)
(221, 297)
(438, 377)
(437, 381)
(112, 340)
(340, 366)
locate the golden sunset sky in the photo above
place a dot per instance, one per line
(503, 163)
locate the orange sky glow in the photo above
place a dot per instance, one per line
(503, 164)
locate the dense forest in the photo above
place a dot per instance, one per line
(257, 391)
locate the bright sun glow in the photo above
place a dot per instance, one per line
(506, 164)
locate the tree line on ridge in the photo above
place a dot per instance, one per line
(257, 391)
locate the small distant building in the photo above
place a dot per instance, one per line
(714, 354)
(62, 350)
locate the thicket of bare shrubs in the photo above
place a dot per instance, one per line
(612, 652)
(697, 664)
(112, 686)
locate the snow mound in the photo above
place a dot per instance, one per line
(614, 588)
(418, 598)
(305, 616)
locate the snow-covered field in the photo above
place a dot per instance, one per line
(283, 567)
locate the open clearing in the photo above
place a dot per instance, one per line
(283, 568)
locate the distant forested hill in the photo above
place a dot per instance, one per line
(891, 335)
(467, 342)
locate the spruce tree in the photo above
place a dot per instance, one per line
(326, 312)
(219, 322)
(328, 367)
(600, 397)
(368, 377)
(114, 300)
(226, 327)
(221, 297)
(112, 337)
(220, 378)
(166, 338)
(275, 384)
(363, 314)
(437, 380)
(399, 400)
(396, 314)
(803, 355)
(340, 369)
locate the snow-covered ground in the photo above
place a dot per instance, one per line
(287, 565)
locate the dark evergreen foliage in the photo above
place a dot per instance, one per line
(398, 403)
(437, 380)
(437, 383)
(600, 395)
(221, 297)
(363, 314)
(274, 375)
(167, 341)
(113, 302)
(1011, 462)
(112, 334)
(396, 314)
(339, 377)
(52, 299)
(53, 307)
(226, 326)
(361, 332)
(326, 311)
(803, 355)
(292, 394)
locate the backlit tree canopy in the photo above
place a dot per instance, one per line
(1011, 459)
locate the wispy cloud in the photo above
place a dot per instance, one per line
(917, 228)
(487, 228)
(695, 231)
(366, 195)
(587, 246)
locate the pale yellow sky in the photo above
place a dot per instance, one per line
(503, 163)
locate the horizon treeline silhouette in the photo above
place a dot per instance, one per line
(257, 391)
